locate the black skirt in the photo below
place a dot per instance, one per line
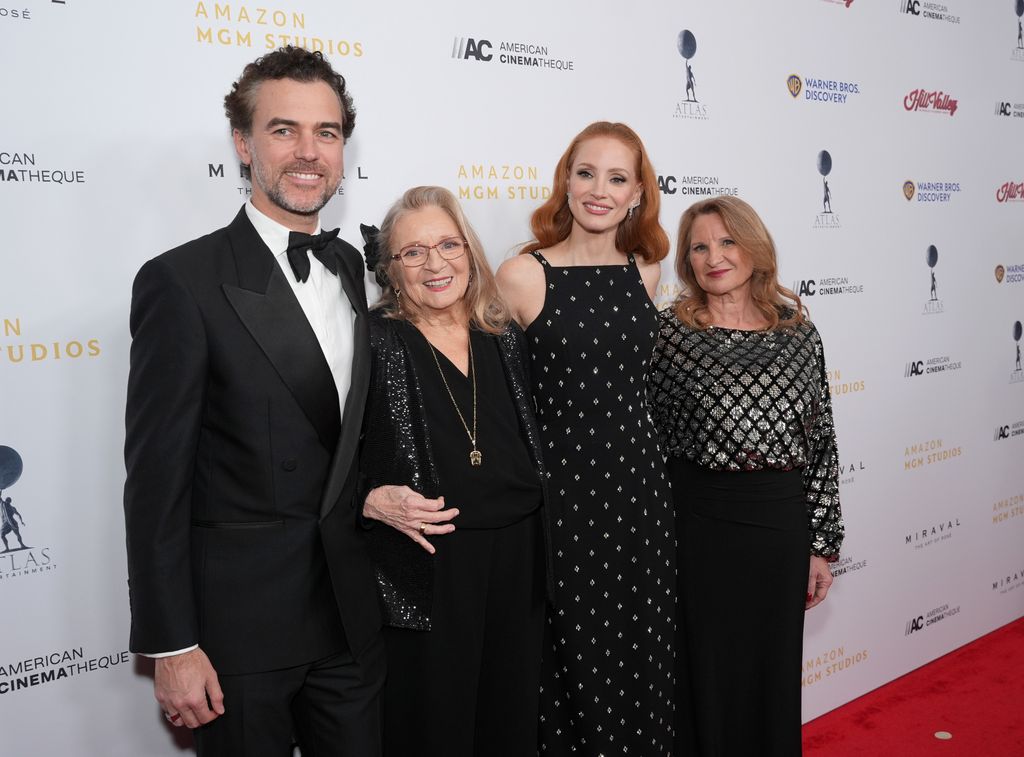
(743, 559)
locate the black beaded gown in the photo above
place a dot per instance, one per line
(606, 673)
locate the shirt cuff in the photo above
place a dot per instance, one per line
(158, 655)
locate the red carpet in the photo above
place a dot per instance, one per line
(975, 694)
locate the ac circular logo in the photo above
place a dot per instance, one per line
(795, 84)
(909, 189)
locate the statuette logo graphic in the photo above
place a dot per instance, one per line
(686, 43)
(908, 190)
(1000, 273)
(11, 521)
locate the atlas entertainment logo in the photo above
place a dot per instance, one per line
(826, 219)
(18, 558)
(1018, 52)
(689, 107)
(1017, 375)
(934, 304)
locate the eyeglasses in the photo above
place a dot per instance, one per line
(416, 255)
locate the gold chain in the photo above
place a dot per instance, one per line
(475, 458)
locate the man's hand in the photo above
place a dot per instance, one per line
(187, 688)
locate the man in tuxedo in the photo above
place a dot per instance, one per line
(248, 580)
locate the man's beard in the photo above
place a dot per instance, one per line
(276, 194)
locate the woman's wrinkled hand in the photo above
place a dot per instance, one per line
(409, 512)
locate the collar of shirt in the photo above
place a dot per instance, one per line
(273, 234)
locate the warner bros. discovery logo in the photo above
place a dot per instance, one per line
(19, 557)
(689, 107)
(934, 304)
(826, 219)
(1017, 375)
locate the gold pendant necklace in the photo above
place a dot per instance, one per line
(475, 458)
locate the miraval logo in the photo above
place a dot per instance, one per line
(932, 534)
(932, 101)
(930, 618)
(1009, 582)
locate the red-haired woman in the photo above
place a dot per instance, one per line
(739, 395)
(583, 291)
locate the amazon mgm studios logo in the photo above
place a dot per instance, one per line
(20, 557)
(690, 107)
(826, 219)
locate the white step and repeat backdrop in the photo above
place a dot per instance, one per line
(881, 141)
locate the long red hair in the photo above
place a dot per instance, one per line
(640, 234)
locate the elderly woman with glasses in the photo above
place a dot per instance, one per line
(453, 491)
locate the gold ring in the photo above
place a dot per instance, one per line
(423, 529)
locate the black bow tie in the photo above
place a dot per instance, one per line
(299, 243)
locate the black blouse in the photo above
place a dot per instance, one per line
(505, 488)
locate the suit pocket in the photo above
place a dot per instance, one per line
(238, 524)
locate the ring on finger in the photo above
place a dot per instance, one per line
(423, 529)
(175, 718)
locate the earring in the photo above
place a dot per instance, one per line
(629, 213)
(398, 297)
(568, 197)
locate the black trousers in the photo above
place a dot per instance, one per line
(331, 707)
(470, 686)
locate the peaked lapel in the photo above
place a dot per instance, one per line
(350, 275)
(267, 307)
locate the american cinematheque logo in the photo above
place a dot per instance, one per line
(930, 618)
(1007, 109)
(515, 53)
(55, 666)
(926, 10)
(252, 27)
(699, 185)
(20, 556)
(1008, 431)
(690, 107)
(931, 366)
(826, 219)
(26, 168)
(814, 89)
(934, 192)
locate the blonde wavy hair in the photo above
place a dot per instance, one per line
(781, 307)
(484, 306)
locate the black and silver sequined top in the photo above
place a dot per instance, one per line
(735, 400)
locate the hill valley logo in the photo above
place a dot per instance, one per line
(934, 304)
(829, 91)
(931, 191)
(20, 557)
(826, 219)
(926, 10)
(509, 53)
(1010, 191)
(930, 101)
(690, 107)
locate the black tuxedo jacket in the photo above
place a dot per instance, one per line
(240, 496)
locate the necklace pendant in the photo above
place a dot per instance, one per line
(475, 458)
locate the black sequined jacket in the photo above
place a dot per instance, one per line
(396, 450)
